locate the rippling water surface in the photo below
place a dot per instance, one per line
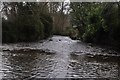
(61, 58)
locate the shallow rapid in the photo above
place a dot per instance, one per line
(58, 57)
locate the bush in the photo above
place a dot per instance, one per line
(48, 24)
(9, 32)
(27, 28)
(94, 29)
(30, 29)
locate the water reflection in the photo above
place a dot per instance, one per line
(27, 64)
(1, 73)
(84, 67)
(72, 59)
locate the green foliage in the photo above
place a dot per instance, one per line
(94, 29)
(24, 28)
(71, 32)
(27, 24)
(97, 22)
(9, 32)
(48, 24)
(30, 28)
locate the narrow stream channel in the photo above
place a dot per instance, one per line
(61, 58)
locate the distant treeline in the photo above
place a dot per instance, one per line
(97, 22)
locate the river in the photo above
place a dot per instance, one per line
(58, 57)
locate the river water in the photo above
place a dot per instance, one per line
(58, 57)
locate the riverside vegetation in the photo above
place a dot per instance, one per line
(95, 22)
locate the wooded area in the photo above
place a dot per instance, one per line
(90, 22)
(97, 22)
(31, 21)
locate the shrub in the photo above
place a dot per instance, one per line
(24, 28)
(48, 24)
(30, 29)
